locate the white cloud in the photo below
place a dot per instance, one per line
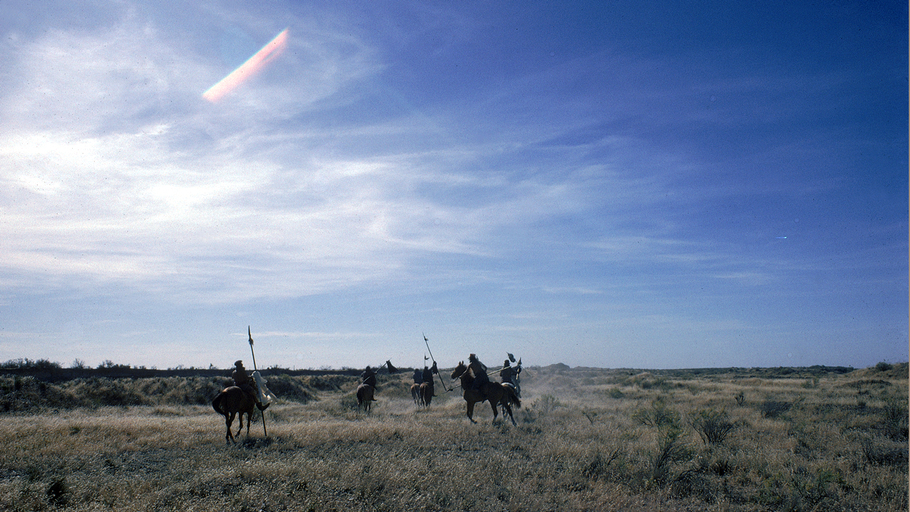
(108, 181)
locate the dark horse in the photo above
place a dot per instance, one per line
(365, 396)
(497, 393)
(229, 403)
(426, 392)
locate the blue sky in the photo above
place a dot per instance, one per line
(612, 184)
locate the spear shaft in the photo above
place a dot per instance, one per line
(261, 411)
(250, 334)
(427, 342)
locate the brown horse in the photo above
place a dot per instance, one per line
(365, 396)
(230, 402)
(415, 393)
(496, 393)
(426, 393)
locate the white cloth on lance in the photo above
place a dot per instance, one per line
(265, 396)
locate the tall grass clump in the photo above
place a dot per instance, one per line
(667, 421)
(713, 426)
(658, 415)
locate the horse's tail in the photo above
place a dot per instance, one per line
(216, 404)
(513, 396)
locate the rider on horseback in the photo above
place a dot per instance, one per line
(481, 379)
(244, 382)
(427, 376)
(368, 377)
(507, 373)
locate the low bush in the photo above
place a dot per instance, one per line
(774, 408)
(883, 453)
(712, 426)
(658, 415)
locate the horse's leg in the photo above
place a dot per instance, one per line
(494, 393)
(228, 419)
(508, 409)
(495, 410)
(249, 419)
(240, 419)
(471, 411)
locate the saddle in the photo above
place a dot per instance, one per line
(250, 391)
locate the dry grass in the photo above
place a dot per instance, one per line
(585, 440)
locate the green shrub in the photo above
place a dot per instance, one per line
(712, 426)
(774, 408)
(669, 449)
(658, 415)
(883, 453)
(691, 483)
(669, 430)
(546, 404)
(895, 423)
(740, 398)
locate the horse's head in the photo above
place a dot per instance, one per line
(459, 370)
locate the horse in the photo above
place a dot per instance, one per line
(426, 391)
(365, 396)
(496, 393)
(231, 401)
(415, 393)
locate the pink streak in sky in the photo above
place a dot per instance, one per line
(248, 69)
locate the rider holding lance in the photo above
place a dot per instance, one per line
(427, 376)
(480, 375)
(244, 382)
(507, 373)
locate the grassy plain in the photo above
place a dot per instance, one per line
(586, 439)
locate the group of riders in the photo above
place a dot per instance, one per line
(508, 374)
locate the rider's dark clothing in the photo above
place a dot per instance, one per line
(418, 376)
(480, 375)
(243, 381)
(509, 372)
(368, 377)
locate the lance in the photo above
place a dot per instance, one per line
(250, 334)
(427, 342)
(261, 411)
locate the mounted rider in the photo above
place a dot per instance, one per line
(481, 379)
(368, 377)
(243, 381)
(508, 373)
(426, 376)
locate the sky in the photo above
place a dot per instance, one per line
(616, 184)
